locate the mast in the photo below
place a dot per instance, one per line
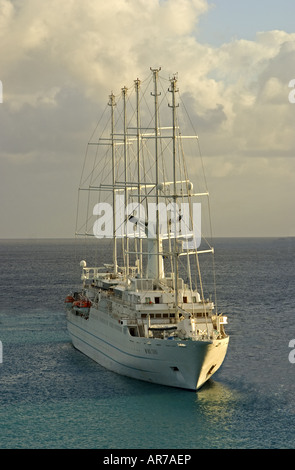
(137, 87)
(124, 93)
(174, 90)
(157, 247)
(112, 103)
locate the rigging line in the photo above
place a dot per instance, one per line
(209, 210)
(161, 156)
(147, 104)
(147, 83)
(84, 164)
(105, 166)
(209, 206)
(148, 158)
(181, 153)
(130, 167)
(164, 172)
(99, 121)
(197, 257)
(188, 256)
(88, 216)
(126, 215)
(118, 119)
(185, 225)
(95, 129)
(89, 175)
(199, 147)
(213, 255)
(96, 162)
(95, 165)
(131, 86)
(204, 177)
(163, 79)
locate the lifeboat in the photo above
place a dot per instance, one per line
(82, 306)
(69, 300)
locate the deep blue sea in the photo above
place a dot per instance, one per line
(54, 397)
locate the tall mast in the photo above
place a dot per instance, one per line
(174, 90)
(124, 93)
(137, 87)
(112, 103)
(156, 94)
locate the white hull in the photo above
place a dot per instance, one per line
(186, 364)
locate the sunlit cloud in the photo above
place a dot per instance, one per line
(60, 60)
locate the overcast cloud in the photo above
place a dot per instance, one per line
(59, 60)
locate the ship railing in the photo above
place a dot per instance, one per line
(92, 273)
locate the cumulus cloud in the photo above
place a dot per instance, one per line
(60, 60)
(91, 41)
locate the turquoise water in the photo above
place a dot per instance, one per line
(52, 396)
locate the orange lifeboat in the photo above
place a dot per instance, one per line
(82, 306)
(84, 303)
(69, 299)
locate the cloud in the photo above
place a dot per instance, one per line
(92, 40)
(60, 60)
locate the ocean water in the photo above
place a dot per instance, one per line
(54, 397)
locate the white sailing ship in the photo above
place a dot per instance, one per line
(144, 314)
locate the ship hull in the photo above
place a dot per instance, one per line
(186, 364)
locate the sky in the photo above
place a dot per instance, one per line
(59, 61)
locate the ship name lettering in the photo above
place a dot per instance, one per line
(150, 351)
